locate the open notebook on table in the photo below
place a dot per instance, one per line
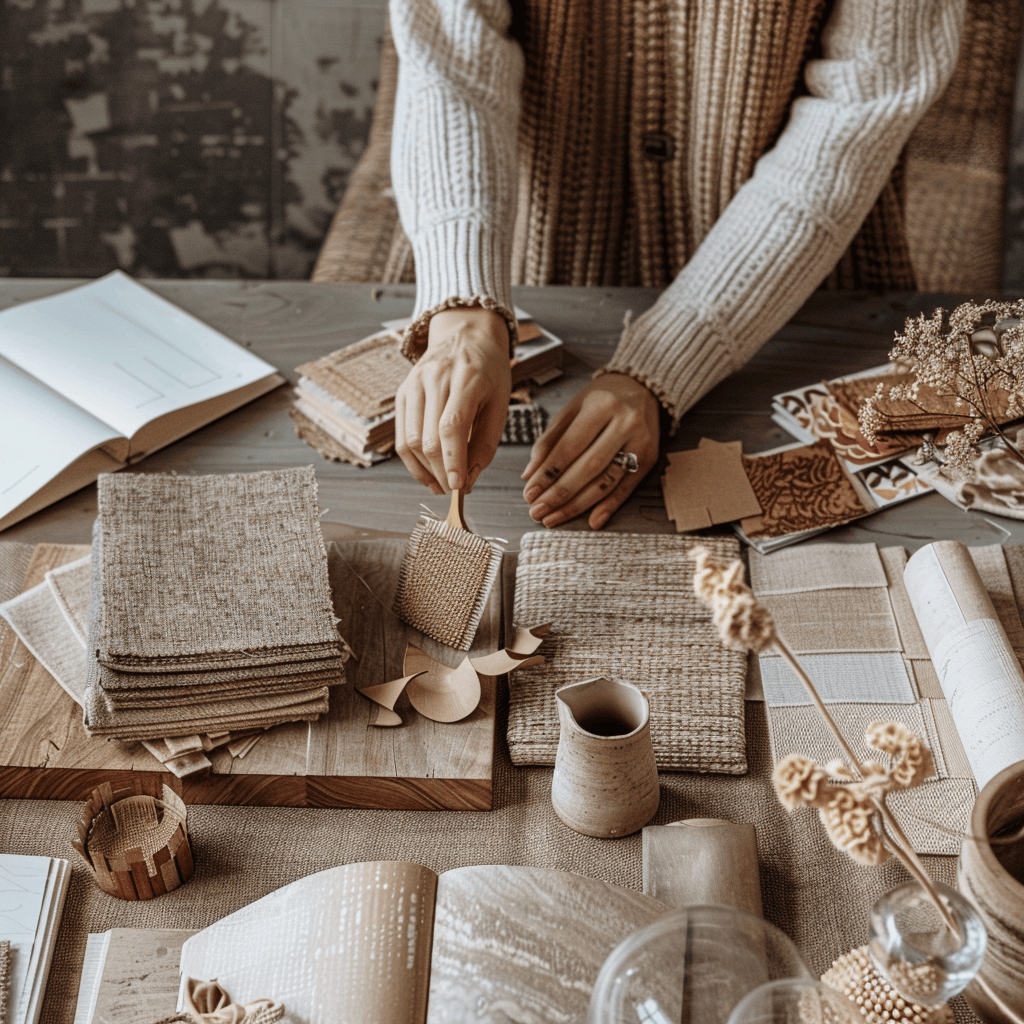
(98, 377)
(384, 942)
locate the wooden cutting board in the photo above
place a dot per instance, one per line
(341, 760)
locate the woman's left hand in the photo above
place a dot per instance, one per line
(571, 468)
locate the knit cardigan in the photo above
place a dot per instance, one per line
(758, 141)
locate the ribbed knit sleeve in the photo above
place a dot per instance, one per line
(883, 63)
(453, 157)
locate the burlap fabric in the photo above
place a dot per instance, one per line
(817, 895)
(443, 582)
(210, 572)
(623, 605)
(365, 376)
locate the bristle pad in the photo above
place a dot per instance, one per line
(444, 581)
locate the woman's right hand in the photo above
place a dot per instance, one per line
(450, 411)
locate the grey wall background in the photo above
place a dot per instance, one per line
(203, 138)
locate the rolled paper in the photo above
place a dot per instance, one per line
(973, 659)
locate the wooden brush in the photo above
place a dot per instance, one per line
(446, 575)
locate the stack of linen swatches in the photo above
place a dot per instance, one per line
(211, 607)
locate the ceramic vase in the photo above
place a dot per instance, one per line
(606, 781)
(992, 877)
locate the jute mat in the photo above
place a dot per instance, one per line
(623, 605)
(815, 894)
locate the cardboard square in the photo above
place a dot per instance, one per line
(707, 486)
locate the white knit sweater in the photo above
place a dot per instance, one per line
(453, 169)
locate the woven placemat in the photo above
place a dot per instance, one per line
(623, 605)
(210, 571)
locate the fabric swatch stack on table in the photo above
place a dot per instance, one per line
(211, 608)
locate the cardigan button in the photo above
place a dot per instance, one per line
(659, 146)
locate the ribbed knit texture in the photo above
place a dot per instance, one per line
(697, 190)
(454, 175)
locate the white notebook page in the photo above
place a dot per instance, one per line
(123, 353)
(40, 435)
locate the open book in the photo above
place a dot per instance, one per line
(32, 893)
(97, 377)
(385, 942)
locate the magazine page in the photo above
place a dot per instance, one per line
(973, 658)
(348, 944)
(525, 944)
(41, 435)
(124, 354)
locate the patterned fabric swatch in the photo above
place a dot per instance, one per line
(524, 423)
(859, 677)
(816, 567)
(800, 489)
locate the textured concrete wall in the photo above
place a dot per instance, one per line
(176, 138)
(202, 138)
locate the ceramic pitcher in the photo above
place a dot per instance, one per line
(605, 782)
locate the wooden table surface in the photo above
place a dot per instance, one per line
(288, 323)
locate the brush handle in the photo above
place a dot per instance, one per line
(455, 512)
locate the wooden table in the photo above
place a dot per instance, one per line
(288, 323)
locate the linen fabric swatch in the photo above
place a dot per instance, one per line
(230, 571)
(211, 608)
(853, 677)
(623, 605)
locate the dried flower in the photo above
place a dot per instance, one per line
(913, 760)
(742, 623)
(799, 781)
(974, 356)
(849, 820)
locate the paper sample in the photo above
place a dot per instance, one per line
(707, 485)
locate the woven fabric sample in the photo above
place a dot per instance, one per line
(365, 376)
(894, 560)
(926, 679)
(990, 562)
(834, 621)
(44, 630)
(936, 815)
(816, 567)
(329, 447)
(14, 560)
(803, 731)
(6, 972)
(443, 583)
(857, 677)
(800, 489)
(71, 586)
(953, 754)
(623, 605)
(209, 572)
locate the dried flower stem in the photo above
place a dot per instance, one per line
(896, 838)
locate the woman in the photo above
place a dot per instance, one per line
(746, 170)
